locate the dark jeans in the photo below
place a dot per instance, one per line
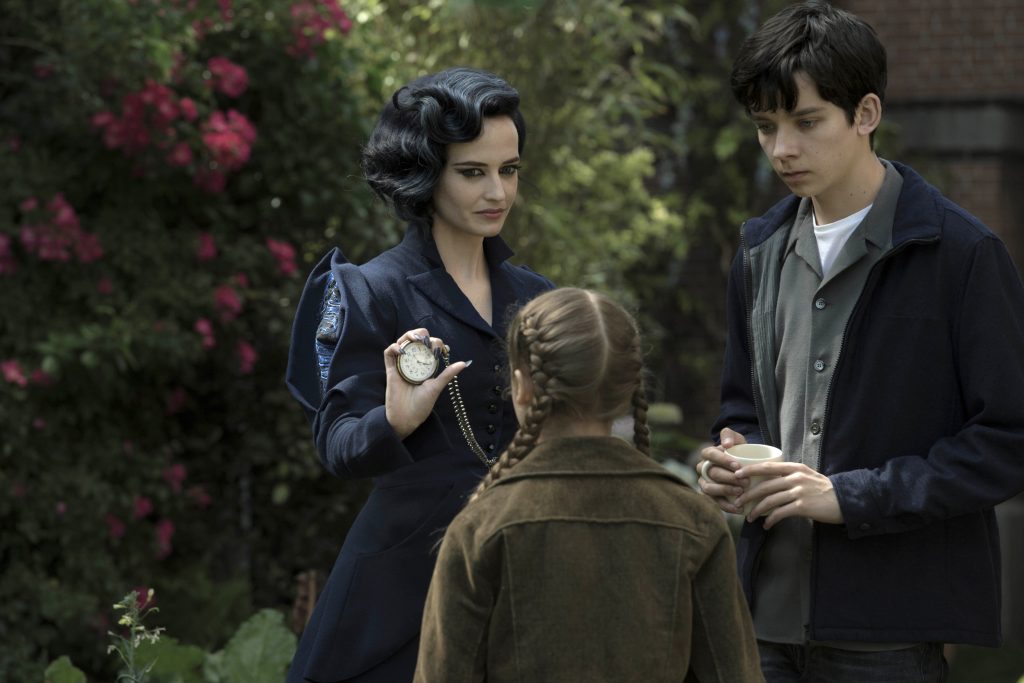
(782, 663)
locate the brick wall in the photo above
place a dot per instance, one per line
(949, 59)
(949, 48)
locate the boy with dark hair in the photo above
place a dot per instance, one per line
(875, 335)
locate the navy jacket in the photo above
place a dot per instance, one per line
(372, 604)
(924, 432)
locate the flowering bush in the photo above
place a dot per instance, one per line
(170, 169)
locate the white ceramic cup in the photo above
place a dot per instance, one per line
(751, 454)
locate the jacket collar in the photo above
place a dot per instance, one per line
(918, 214)
(419, 240)
(585, 456)
(437, 285)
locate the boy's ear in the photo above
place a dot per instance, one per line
(868, 115)
(522, 389)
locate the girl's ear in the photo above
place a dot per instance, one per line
(522, 389)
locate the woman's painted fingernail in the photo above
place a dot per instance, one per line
(468, 363)
(401, 350)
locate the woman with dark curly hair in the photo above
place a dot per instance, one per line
(445, 156)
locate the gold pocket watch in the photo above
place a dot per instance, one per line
(416, 364)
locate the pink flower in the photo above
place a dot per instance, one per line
(8, 264)
(227, 302)
(14, 142)
(164, 533)
(284, 253)
(225, 10)
(104, 286)
(175, 401)
(188, 109)
(29, 205)
(18, 490)
(181, 155)
(59, 235)
(88, 248)
(310, 25)
(200, 496)
(205, 329)
(39, 423)
(242, 280)
(41, 377)
(207, 249)
(228, 77)
(13, 373)
(101, 120)
(115, 527)
(61, 508)
(42, 71)
(142, 598)
(175, 475)
(211, 182)
(141, 506)
(229, 138)
(247, 357)
(127, 447)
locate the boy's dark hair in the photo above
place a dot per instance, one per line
(407, 150)
(838, 51)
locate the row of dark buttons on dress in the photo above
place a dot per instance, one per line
(492, 408)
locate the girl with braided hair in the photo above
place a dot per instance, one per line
(580, 558)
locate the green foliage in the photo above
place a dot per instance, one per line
(170, 171)
(63, 671)
(173, 662)
(258, 652)
(136, 607)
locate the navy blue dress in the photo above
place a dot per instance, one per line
(367, 620)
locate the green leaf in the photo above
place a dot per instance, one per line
(172, 661)
(260, 651)
(63, 671)
(280, 493)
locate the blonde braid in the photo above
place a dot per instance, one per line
(641, 432)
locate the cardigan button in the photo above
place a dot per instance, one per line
(820, 303)
(492, 408)
(819, 365)
(815, 428)
(865, 526)
(491, 429)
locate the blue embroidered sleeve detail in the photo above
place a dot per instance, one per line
(328, 329)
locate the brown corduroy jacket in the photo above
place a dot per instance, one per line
(587, 561)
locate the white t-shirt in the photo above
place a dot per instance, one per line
(832, 236)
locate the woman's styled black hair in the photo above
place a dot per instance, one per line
(838, 51)
(408, 148)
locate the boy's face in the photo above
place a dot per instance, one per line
(813, 148)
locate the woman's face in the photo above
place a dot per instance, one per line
(478, 184)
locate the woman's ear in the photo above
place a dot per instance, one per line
(869, 114)
(522, 389)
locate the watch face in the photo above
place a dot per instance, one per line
(418, 363)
